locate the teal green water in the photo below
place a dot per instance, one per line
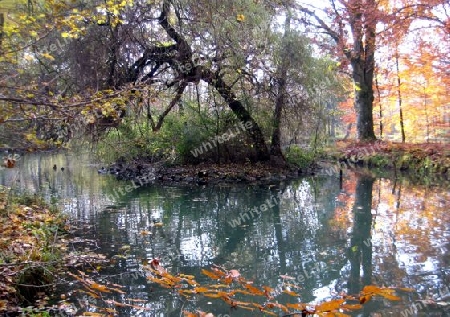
(329, 238)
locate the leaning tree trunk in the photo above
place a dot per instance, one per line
(239, 110)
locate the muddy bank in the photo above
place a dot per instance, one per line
(421, 159)
(203, 174)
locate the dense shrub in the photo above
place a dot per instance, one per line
(300, 157)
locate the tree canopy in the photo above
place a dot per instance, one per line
(73, 68)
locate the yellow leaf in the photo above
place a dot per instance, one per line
(389, 296)
(240, 18)
(65, 34)
(48, 56)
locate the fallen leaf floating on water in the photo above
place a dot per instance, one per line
(210, 274)
(232, 284)
(387, 293)
(329, 306)
(254, 290)
(290, 293)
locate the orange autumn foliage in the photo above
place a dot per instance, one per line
(231, 283)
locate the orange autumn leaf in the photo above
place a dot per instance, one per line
(268, 312)
(99, 287)
(387, 293)
(212, 295)
(330, 306)
(210, 274)
(351, 306)
(254, 290)
(218, 286)
(191, 282)
(202, 290)
(276, 305)
(268, 291)
(371, 289)
(290, 292)
(188, 277)
(390, 296)
(219, 272)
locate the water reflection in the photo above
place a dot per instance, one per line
(330, 237)
(360, 252)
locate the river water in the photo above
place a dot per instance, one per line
(315, 236)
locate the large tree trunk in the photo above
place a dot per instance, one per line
(363, 66)
(362, 71)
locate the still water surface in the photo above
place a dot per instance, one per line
(331, 238)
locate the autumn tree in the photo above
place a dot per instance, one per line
(356, 27)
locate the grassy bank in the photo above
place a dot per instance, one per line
(30, 251)
(422, 159)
